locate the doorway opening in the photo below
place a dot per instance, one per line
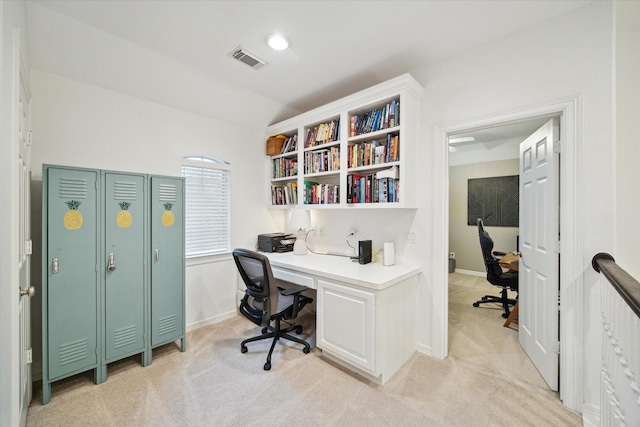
(571, 223)
(484, 174)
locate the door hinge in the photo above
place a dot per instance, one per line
(556, 347)
(556, 146)
(557, 247)
(29, 247)
(29, 138)
(29, 355)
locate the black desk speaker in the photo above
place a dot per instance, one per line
(364, 251)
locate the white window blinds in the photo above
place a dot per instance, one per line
(207, 206)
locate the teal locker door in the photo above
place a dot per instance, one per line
(123, 266)
(167, 264)
(72, 279)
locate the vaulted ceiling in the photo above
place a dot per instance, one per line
(177, 52)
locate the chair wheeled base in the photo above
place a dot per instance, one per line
(276, 333)
(495, 299)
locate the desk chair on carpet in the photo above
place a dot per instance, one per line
(495, 275)
(264, 302)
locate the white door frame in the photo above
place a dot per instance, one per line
(571, 226)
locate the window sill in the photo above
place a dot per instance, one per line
(208, 259)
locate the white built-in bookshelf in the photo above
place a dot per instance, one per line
(356, 152)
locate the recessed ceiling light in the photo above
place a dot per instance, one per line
(277, 41)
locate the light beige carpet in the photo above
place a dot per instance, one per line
(486, 381)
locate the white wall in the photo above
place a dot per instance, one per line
(463, 238)
(627, 203)
(12, 17)
(565, 56)
(82, 125)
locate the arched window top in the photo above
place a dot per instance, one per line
(205, 159)
(207, 162)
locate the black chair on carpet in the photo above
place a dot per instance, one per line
(265, 302)
(505, 280)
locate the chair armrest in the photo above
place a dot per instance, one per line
(498, 253)
(294, 290)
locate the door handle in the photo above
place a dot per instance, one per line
(112, 263)
(55, 266)
(156, 255)
(28, 292)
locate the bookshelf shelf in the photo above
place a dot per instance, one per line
(323, 146)
(361, 147)
(373, 168)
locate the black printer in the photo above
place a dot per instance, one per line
(276, 242)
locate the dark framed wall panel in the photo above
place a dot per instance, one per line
(495, 200)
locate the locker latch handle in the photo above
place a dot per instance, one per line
(55, 266)
(112, 263)
(156, 255)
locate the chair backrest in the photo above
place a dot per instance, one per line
(255, 270)
(486, 244)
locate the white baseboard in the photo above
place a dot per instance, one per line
(424, 349)
(211, 320)
(471, 272)
(590, 415)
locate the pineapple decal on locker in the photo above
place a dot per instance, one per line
(167, 216)
(73, 218)
(124, 218)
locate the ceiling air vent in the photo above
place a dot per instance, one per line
(249, 58)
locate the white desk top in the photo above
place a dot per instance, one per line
(372, 275)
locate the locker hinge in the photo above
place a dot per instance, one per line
(556, 146)
(29, 247)
(29, 355)
(29, 138)
(556, 347)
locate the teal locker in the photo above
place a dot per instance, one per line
(106, 236)
(124, 264)
(167, 264)
(71, 280)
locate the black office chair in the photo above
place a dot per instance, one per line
(506, 280)
(264, 301)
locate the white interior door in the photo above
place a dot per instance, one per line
(539, 243)
(23, 139)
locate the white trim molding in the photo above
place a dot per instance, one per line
(569, 109)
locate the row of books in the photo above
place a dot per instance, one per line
(322, 134)
(290, 144)
(284, 194)
(284, 167)
(381, 187)
(383, 118)
(374, 152)
(321, 194)
(322, 160)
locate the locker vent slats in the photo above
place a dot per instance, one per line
(124, 190)
(124, 336)
(167, 324)
(167, 193)
(70, 188)
(73, 351)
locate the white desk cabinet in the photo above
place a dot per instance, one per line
(366, 314)
(346, 327)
